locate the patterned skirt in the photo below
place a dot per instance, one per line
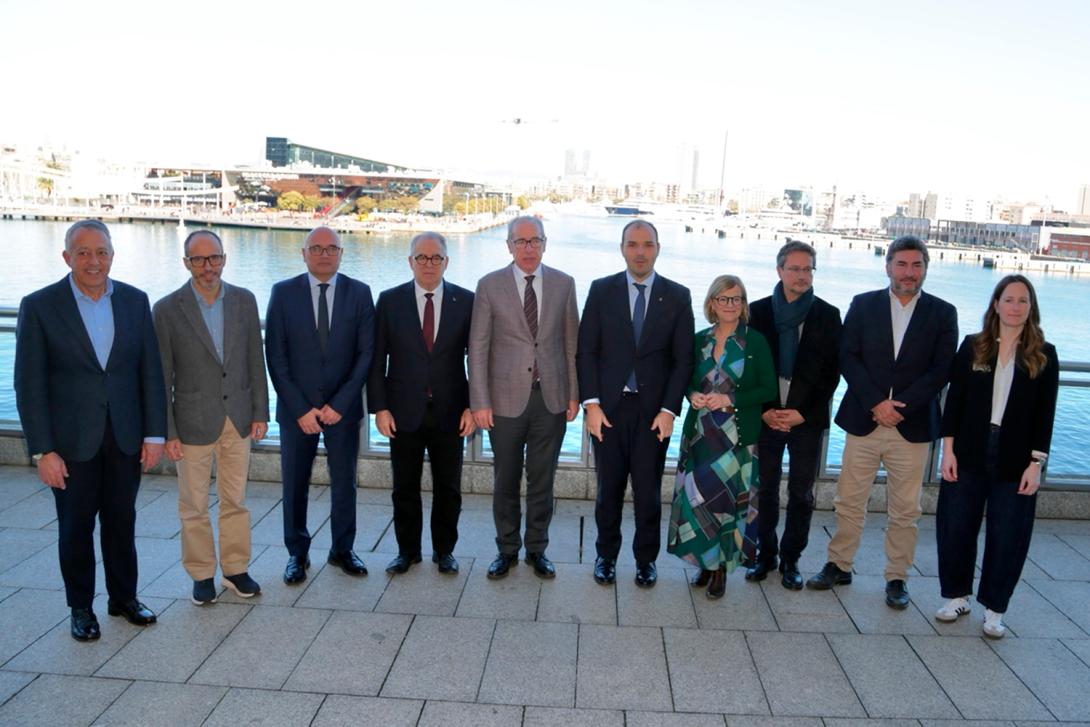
(713, 520)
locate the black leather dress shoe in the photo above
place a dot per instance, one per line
(717, 583)
(760, 571)
(347, 561)
(543, 567)
(296, 570)
(792, 579)
(134, 612)
(829, 576)
(401, 563)
(84, 625)
(499, 567)
(897, 594)
(646, 574)
(701, 579)
(446, 562)
(605, 570)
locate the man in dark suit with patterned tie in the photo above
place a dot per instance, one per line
(319, 339)
(420, 397)
(89, 387)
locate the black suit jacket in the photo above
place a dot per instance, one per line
(916, 377)
(403, 371)
(817, 368)
(1027, 420)
(607, 351)
(64, 396)
(303, 377)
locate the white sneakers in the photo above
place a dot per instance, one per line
(993, 624)
(954, 607)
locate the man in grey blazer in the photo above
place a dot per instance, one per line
(217, 402)
(523, 388)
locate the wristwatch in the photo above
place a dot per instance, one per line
(36, 458)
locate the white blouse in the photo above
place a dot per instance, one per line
(1001, 388)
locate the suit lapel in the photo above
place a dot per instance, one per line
(306, 308)
(656, 300)
(915, 324)
(69, 311)
(618, 301)
(407, 315)
(125, 323)
(448, 318)
(885, 323)
(187, 303)
(511, 290)
(232, 314)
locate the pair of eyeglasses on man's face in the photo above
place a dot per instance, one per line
(725, 300)
(317, 250)
(199, 261)
(428, 259)
(533, 242)
(795, 270)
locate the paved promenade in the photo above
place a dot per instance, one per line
(429, 650)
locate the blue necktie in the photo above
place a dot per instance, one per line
(637, 327)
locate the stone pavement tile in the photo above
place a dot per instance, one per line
(1030, 570)
(263, 649)
(871, 723)
(870, 559)
(341, 711)
(574, 597)
(37, 705)
(531, 663)
(1030, 615)
(175, 582)
(744, 607)
(163, 483)
(926, 559)
(270, 529)
(702, 663)
(667, 604)
(927, 597)
(476, 534)
(889, 678)
(177, 645)
(265, 490)
(733, 721)
(1055, 675)
(622, 667)
(1058, 559)
(553, 717)
(39, 509)
(455, 714)
(351, 655)
(965, 723)
(155, 557)
(158, 517)
(41, 571)
(154, 704)
(808, 610)
(18, 544)
(19, 484)
(372, 523)
(423, 590)
(6, 591)
(260, 707)
(806, 662)
(1080, 647)
(330, 587)
(11, 682)
(268, 570)
(513, 597)
(1070, 597)
(1081, 543)
(865, 602)
(25, 616)
(441, 658)
(669, 719)
(58, 653)
(979, 683)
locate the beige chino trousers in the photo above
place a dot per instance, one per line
(904, 462)
(232, 456)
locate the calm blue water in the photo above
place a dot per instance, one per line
(148, 255)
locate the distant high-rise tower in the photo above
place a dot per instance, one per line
(586, 163)
(570, 169)
(696, 170)
(1082, 206)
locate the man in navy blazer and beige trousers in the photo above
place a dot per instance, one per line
(319, 338)
(895, 354)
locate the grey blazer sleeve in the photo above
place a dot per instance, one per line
(480, 341)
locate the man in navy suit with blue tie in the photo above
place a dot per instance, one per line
(89, 387)
(420, 396)
(319, 338)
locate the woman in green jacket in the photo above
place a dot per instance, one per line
(714, 515)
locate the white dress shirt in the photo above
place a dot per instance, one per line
(900, 316)
(315, 292)
(437, 305)
(520, 283)
(1001, 388)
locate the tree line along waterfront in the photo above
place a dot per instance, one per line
(149, 256)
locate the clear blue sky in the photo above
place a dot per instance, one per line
(989, 98)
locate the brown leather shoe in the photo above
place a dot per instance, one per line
(717, 583)
(701, 579)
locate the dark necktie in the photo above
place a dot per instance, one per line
(638, 312)
(429, 321)
(529, 308)
(323, 316)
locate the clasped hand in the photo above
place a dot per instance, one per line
(313, 420)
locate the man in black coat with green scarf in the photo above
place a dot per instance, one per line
(803, 332)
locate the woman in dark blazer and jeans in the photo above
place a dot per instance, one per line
(996, 427)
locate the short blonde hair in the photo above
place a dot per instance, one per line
(725, 282)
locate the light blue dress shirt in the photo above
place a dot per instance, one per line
(98, 319)
(213, 317)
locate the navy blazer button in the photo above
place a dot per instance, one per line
(530, 369)
(225, 397)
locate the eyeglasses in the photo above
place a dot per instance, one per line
(200, 260)
(795, 270)
(533, 243)
(434, 260)
(332, 251)
(725, 300)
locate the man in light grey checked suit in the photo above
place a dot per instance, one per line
(217, 403)
(523, 388)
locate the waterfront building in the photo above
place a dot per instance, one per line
(1066, 242)
(1082, 201)
(282, 152)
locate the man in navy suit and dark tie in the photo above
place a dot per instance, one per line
(89, 387)
(420, 396)
(895, 353)
(319, 338)
(634, 359)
